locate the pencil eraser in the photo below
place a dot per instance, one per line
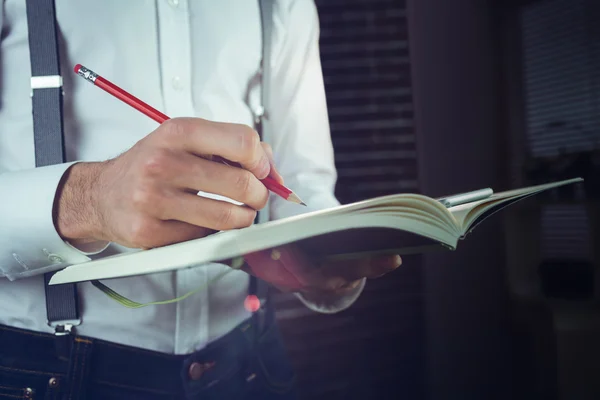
(76, 69)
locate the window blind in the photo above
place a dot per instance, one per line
(561, 44)
(561, 72)
(376, 348)
(366, 68)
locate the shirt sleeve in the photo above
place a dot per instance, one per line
(301, 142)
(29, 242)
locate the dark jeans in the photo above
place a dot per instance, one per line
(245, 364)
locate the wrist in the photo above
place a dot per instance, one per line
(76, 216)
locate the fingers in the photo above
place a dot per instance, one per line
(296, 262)
(384, 265)
(234, 142)
(261, 265)
(209, 213)
(352, 270)
(191, 172)
(290, 268)
(285, 269)
(146, 199)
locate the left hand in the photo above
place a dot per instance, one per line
(290, 269)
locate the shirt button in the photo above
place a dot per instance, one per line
(55, 258)
(173, 3)
(176, 83)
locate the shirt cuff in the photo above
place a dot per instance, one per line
(29, 242)
(334, 304)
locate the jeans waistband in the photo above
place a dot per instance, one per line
(125, 366)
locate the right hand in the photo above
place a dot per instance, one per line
(147, 196)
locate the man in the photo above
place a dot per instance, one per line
(131, 184)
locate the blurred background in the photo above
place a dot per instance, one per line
(444, 96)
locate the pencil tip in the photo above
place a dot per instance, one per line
(294, 198)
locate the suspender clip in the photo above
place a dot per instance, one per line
(45, 82)
(64, 328)
(64, 334)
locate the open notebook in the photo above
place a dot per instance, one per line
(396, 224)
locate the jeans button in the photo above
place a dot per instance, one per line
(196, 369)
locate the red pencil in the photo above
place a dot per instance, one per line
(159, 117)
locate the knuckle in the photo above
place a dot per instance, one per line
(174, 127)
(249, 141)
(157, 164)
(224, 217)
(143, 198)
(243, 179)
(230, 216)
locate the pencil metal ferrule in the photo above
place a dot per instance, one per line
(87, 74)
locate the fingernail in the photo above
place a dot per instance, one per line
(398, 260)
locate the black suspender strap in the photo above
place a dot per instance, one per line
(47, 107)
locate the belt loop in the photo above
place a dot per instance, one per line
(79, 367)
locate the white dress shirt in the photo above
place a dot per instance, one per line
(186, 58)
